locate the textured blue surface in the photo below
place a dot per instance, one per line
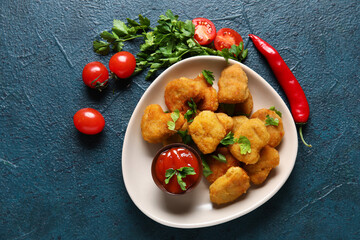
(58, 184)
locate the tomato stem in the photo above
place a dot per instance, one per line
(302, 138)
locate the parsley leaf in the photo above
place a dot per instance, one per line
(174, 116)
(206, 168)
(209, 76)
(244, 142)
(186, 138)
(245, 146)
(228, 139)
(119, 34)
(220, 158)
(271, 121)
(168, 174)
(276, 111)
(180, 174)
(192, 111)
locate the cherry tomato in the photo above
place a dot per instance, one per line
(89, 121)
(95, 75)
(226, 37)
(205, 31)
(122, 64)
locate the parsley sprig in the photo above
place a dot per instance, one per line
(206, 168)
(174, 116)
(245, 146)
(209, 76)
(186, 138)
(180, 174)
(271, 121)
(121, 32)
(219, 157)
(276, 111)
(191, 113)
(167, 43)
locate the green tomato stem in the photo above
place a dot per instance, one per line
(302, 138)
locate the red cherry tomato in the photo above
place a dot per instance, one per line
(226, 37)
(95, 75)
(122, 64)
(89, 121)
(205, 31)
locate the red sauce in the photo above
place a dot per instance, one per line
(176, 158)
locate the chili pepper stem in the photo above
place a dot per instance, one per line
(302, 138)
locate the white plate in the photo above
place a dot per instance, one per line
(194, 209)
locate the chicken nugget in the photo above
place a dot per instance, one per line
(258, 172)
(154, 126)
(238, 121)
(179, 92)
(244, 108)
(233, 85)
(230, 186)
(207, 131)
(207, 98)
(217, 167)
(226, 121)
(276, 132)
(255, 131)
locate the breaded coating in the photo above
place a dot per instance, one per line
(178, 92)
(226, 121)
(244, 108)
(276, 132)
(154, 126)
(255, 131)
(207, 99)
(207, 131)
(230, 186)
(219, 168)
(269, 159)
(233, 85)
(238, 121)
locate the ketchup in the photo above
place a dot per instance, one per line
(176, 158)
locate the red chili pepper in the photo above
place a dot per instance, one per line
(295, 94)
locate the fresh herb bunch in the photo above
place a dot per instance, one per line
(167, 43)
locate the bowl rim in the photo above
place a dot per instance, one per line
(166, 148)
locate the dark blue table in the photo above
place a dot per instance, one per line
(56, 183)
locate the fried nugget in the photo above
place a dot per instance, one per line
(238, 121)
(219, 168)
(178, 92)
(244, 107)
(255, 131)
(154, 126)
(207, 99)
(207, 131)
(233, 85)
(230, 186)
(276, 132)
(258, 172)
(226, 121)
